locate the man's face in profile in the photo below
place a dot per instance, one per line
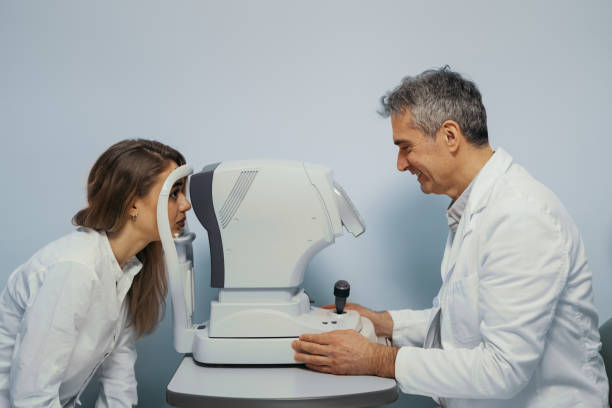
(420, 154)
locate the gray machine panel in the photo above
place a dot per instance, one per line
(200, 190)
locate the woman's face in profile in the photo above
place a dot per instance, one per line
(178, 205)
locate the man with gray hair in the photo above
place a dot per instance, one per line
(514, 323)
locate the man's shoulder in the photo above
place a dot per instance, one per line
(517, 193)
(517, 189)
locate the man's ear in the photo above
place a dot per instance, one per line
(452, 136)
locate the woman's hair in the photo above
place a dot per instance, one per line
(125, 171)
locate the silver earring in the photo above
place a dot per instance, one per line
(133, 217)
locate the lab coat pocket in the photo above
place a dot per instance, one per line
(463, 310)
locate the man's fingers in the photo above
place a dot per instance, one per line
(322, 338)
(329, 338)
(330, 306)
(320, 368)
(311, 359)
(310, 348)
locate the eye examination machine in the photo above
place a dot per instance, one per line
(265, 219)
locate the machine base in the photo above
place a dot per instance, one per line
(251, 350)
(268, 350)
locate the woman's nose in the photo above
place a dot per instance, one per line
(185, 204)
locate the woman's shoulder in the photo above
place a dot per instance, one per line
(82, 246)
(73, 257)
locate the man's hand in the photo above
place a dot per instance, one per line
(345, 352)
(383, 323)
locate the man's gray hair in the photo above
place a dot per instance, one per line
(435, 96)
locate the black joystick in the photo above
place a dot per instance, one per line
(341, 292)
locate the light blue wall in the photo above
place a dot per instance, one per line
(300, 80)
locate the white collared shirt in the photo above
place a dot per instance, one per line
(63, 315)
(456, 208)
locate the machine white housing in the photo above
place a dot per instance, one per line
(265, 221)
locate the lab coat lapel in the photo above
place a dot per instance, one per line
(453, 246)
(445, 258)
(497, 165)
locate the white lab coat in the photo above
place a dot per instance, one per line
(517, 322)
(62, 318)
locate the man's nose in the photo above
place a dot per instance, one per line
(402, 163)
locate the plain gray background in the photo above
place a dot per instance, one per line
(300, 80)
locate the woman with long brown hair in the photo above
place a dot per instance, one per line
(77, 306)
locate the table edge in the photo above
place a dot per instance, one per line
(365, 399)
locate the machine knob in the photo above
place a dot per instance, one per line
(341, 292)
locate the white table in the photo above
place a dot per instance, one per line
(196, 385)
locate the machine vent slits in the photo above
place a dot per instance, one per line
(236, 196)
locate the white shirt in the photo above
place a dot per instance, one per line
(456, 209)
(63, 316)
(518, 323)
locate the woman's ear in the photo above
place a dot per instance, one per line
(133, 212)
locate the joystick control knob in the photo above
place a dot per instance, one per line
(341, 292)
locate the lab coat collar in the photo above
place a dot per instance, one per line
(497, 165)
(457, 208)
(131, 267)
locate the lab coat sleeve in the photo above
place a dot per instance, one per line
(117, 376)
(409, 327)
(523, 267)
(49, 332)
